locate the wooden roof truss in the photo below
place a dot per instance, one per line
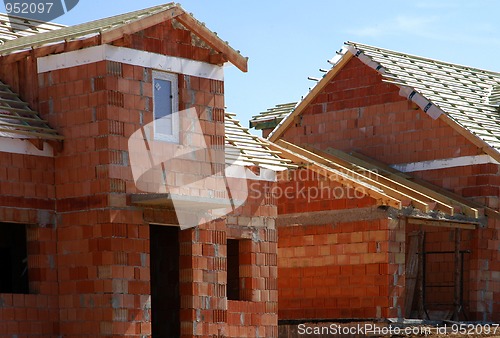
(16, 117)
(386, 185)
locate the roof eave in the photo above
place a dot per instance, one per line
(214, 41)
(265, 124)
(108, 36)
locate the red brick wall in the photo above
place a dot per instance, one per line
(358, 112)
(339, 270)
(342, 266)
(255, 314)
(27, 198)
(168, 38)
(103, 241)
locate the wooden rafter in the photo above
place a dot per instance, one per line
(299, 155)
(243, 147)
(213, 41)
(442, 223)
(469, 208)
(425, 206)
(395, 185)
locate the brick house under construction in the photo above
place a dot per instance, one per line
(394, 212)
(89, 248)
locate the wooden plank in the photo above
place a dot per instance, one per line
(309, 97)
(443, 223)
(422, 205)
(9, 101)
(421, 275)
(401, 186)
(457, 304)
(269, 159)
(213, 41)
(18, 110)
(26, 127)
(469, 208)
(21, 118)
(337, 176)
(218, 59)
(411, 273)
(264, 150)
(41, 135)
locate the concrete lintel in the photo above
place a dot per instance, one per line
(166, 200)
(332, 216)
(440, 219)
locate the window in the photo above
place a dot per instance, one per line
(166, 106)
(233, 269)
(13, 259)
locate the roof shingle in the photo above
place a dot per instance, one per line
(245, 149)
(272, 116)
(17, 120)
(469, 96)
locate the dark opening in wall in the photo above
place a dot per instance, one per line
(233, 269)
(13, 259)
(165, 293)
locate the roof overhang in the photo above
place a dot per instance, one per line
(108, 30)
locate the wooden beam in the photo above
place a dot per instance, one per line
(218, 59)
(213, 41)
(309, 97)
(38, 143)
(45, 136)
(424, 206)
(56, 48)
(467, 207)
(457, 290)
(338, 176)
(399, 185)
(113, 34)
(412, 261)
(455, 224)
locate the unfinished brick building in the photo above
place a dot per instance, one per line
(87, 248)
(395, 211)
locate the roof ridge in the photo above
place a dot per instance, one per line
(354, 44)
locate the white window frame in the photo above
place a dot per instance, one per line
(173, 79)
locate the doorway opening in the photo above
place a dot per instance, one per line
(165, 296)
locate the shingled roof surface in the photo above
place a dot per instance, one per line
(272, 115)
(245, 149)
(467, 95)
(81, 30)
(17, 120)
(12, 27)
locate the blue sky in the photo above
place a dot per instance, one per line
(287, 41)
